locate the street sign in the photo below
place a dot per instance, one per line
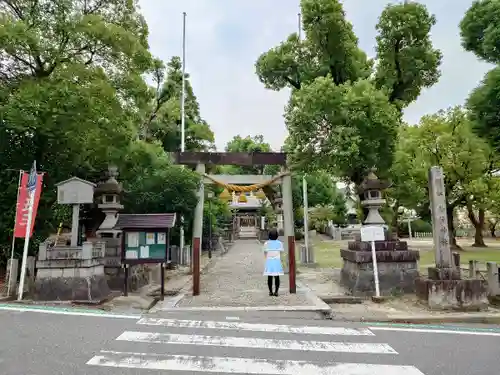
(31, 185)
(371, 233)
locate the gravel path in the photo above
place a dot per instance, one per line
(236, 280)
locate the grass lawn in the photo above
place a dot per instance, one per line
(327, 255)
(489, 254)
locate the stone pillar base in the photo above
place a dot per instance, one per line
(397, 268)
(453, 294)
(92, 289)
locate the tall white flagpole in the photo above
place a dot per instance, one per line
(14, 233)
(304, 181)
(183, 111)
(31, 187)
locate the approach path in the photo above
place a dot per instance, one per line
(236, 280)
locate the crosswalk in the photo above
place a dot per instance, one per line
(234, 347)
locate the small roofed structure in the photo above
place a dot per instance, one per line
(146, 221)
(145, 240)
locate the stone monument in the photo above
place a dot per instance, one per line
(74, 272)
(397, 265)
(444, 287)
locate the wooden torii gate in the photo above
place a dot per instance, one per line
(202, 159)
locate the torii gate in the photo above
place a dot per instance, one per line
(201, 159)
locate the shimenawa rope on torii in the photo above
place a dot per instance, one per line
(246, 188)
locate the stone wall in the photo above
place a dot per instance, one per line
(71, 273)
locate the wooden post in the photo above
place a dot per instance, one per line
(289, 230)
(162, 275)
(197, 233)
(125, 282)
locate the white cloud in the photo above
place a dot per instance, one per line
(224, 39)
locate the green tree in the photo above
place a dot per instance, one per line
(247, 144)
(446, 139)
(405, 190)
(73, 97)
(70, 87)
(162, 118)
(343, 114)
(480, 33)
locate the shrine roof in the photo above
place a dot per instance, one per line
(146, 221)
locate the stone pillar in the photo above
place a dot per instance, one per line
(74, 225)
(12, 276)
(492, 278)
(198, 232)
(289, 229)
(87, 250)
(439, 218)
(42, 251)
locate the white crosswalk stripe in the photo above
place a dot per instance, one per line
(206, 334)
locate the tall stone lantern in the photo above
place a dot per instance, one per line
(372, 189)
(397, 265)
(108, 194)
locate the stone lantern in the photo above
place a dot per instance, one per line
(397, 265)
(372, 189)
(108, 194)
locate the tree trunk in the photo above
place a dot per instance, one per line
(451, 229)
(478, 237)
(492, 227)
(478, 223)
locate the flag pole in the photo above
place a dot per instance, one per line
(31, 187)
(14, 234)
(304, 181)
(183, 114)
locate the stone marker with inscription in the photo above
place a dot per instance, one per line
(444, 288)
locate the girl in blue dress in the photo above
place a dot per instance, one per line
(273, 269)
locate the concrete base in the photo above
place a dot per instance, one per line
(91, 289)
(397, 268)
(462, 295)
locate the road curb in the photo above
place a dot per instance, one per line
(348, 300)
(475, 319)
(318, 303)
(423, 319)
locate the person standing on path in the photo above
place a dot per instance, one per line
(273, 268)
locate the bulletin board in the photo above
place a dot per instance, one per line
(144, 247)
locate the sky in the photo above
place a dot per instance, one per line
(225, 38)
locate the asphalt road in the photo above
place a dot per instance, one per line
(35, 343)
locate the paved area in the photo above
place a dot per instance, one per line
(236, 280)
(244, 343)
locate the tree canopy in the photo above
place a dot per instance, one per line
(446, 139)
(344, 106)
(73, 97)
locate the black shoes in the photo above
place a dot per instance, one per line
(275, 294)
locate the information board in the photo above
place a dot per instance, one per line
(145, 246)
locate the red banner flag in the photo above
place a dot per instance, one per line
(23, 205)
